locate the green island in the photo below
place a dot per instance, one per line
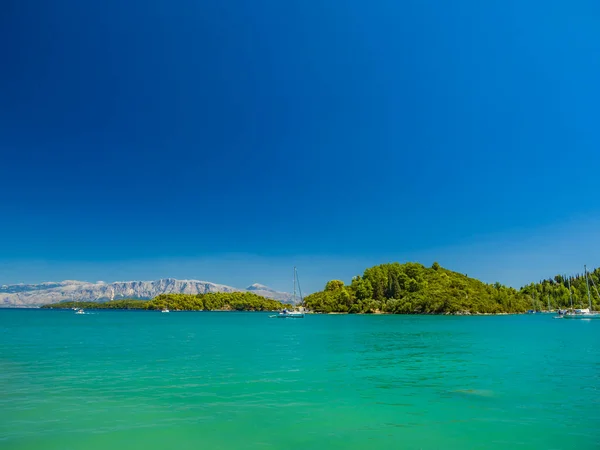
(217, 301)
(412, 288)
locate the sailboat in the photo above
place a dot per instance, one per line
(549, 310)
(533, 302)
(584, 313)
(76, 308)
(562, 312)
(287, 314)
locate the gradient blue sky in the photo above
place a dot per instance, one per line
(230, 140)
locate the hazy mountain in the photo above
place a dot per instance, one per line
(265, 291)
(259, 287)
(29, 295)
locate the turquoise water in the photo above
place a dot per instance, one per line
(116, 379)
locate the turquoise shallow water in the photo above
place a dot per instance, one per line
(116, 379)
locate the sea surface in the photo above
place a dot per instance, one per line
(226, 380)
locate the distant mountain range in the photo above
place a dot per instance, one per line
(31, 295)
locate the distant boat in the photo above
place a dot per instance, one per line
(165, 310)
(77, 309)
(287, 314)
(533, 311)
(549, 310)
(583, 313)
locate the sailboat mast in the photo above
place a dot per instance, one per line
(587, 285)
(548, 302)
(570, 292)
(294, 285)
(595, 288)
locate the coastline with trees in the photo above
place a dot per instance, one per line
(412, 288)
(394, 288)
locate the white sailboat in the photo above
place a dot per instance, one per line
(549, 310)
(76, 308)
(287, 314)
(583, 313)
(533, 303)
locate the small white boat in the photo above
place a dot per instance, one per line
(79, 311)
(165, 310)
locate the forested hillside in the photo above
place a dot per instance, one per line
(412, 288)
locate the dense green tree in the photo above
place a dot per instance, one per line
(334, 285)
(362, 288)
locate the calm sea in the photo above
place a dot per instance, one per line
(124, 380)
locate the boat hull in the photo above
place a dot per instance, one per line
(581, 316)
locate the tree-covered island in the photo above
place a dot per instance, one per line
(217, 301)
(412, 288)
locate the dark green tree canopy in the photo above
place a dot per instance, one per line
(334, 285)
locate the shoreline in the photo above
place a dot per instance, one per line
(375, 313)
(382, 313)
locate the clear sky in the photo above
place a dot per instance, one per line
(229, 140)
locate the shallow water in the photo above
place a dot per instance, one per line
(118, 379)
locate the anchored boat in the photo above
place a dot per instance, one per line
(287, 314)
(77, 309)
(583, 313)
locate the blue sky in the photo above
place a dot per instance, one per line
(228, 141)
